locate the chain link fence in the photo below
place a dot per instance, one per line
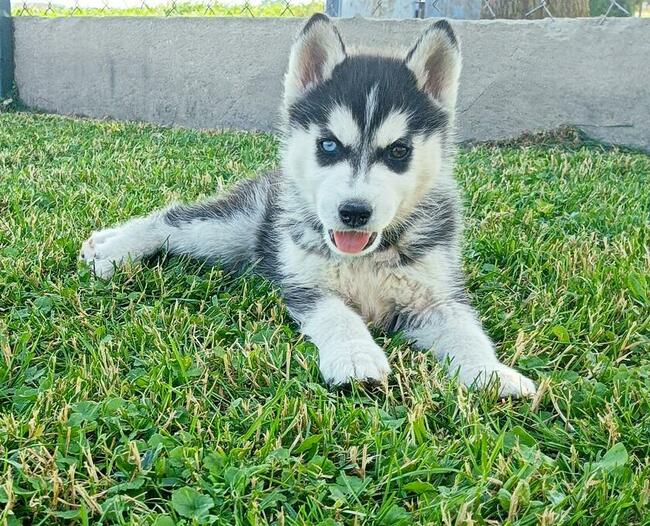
(252, 8)
(547, 8)
(469, 9)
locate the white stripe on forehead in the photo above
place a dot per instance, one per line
(394, 126)
(342, 124)
(371, 104)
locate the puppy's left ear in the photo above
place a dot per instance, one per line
(318, 49)
(436, 62)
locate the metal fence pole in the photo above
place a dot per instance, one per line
(333, 7)
(6, 50)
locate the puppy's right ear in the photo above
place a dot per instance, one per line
(436, 62)
(314, 55)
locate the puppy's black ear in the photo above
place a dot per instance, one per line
(318, 49)
(435, 60)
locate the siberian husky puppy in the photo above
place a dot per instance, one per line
(362, 223)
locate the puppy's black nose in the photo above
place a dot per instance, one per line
(355, 213)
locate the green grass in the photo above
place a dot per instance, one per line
(177, 395)
(271, 8)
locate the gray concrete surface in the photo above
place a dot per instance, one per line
(518, 76)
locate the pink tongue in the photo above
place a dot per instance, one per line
(351, 242)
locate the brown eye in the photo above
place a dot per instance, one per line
(398, 151)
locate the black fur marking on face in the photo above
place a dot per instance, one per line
(324, 158)
(396, 165)
(237, 202)
(398, 151)
(352, 81)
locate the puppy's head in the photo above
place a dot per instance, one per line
(365, 135)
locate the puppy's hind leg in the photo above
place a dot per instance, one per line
(220, 230)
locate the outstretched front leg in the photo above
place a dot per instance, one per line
(346, 348)
(223, 229)
(454, 333)
(138, 238)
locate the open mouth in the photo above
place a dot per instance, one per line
(352, 241)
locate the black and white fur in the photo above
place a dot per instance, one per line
(368, 109)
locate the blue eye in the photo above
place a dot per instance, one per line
(329, 146)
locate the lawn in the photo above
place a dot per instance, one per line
(177, 395)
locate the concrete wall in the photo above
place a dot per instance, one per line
(213, 73)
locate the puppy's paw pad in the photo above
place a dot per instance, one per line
(364, 361)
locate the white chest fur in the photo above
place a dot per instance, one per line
(375, 287)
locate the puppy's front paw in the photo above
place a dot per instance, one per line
(106, 249)
(511, 384)
(354, 360)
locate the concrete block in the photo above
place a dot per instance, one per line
(518, 76)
